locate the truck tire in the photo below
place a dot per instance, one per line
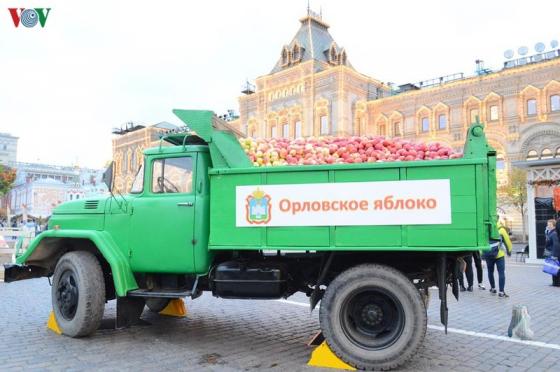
(78, 294)
(373, 317)
(155, 304)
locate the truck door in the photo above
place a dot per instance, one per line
(161, 238)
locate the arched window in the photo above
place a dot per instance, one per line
(558, 152)
(296, 53)
(555, 102)
(425, 124)
(473, 115)
(342, 57)
(333, 54)
(397, 128)
(546, 154)
(493, 113)
(500, 163)
(285, 130)
(531, 106)
(442, 121)
(381, 129)
(285, 56)
(133, 165)
(297, 129)
(532, 155)
(273, 132)
(324, 120)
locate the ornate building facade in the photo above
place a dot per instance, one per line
(313, 90)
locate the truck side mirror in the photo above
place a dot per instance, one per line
(108, 176)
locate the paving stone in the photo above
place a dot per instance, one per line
(242, 335)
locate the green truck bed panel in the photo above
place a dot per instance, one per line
(463, 233)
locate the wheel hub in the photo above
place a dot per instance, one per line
(372, 314)
(67, 295)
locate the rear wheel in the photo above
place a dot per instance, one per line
(157, 304)
(78, 294)
(373, 317)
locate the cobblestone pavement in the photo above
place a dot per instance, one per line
(237, 335)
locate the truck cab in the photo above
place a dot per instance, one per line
(167, 211)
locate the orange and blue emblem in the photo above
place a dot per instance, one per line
(258, 207)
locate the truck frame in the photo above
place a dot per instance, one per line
(179, 233)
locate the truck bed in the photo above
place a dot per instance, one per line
(471, 208)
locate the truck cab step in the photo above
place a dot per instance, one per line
(161, 293)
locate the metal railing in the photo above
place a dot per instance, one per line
(532, 59)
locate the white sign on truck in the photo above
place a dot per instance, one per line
(424, 202)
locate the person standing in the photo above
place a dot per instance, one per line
(499, 262)
(550, 229)
(555, 249)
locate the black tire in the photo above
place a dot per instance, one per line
(155, 304)
(373, 317)
(78, 294)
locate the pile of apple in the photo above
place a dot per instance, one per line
(334, 150)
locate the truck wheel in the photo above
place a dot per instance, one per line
(78, 294)
(373, 317)
(157, 304)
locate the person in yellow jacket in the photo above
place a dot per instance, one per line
(499, 262)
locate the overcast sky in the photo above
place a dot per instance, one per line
(97, 64)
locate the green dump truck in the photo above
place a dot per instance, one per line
(364, 240)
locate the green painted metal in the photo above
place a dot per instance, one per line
(41, 251)
(225, 150)
(473, 201)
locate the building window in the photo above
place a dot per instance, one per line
(531, 106)
(285, 130)
(5, 147)
(425, 124)
(546, 154)
(494, 113)
(500, 163)
(532, 155)
(324, 125)
(298, 129)
(273, 131)
(396, 128)
(557, 152)
(474, 116)
(71, 196)
(555, 103)
(442, 121)
(382, 130)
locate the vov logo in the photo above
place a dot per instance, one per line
(29, 17)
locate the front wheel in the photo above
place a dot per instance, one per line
(373, 317)
(78, 294)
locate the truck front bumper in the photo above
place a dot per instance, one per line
(13, 272)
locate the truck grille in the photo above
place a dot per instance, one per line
(91, 204)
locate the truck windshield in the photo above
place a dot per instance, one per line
(138, 184)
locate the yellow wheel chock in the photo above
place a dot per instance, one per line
(175, 307)
(53, 325)
(323, 357)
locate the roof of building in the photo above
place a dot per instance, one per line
(165, 125)
(316, 43)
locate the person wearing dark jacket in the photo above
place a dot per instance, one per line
(550, 228)
(554, 237)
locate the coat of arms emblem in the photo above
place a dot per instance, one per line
(258, 207)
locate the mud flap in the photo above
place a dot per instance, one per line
(441, 277)
(129, 310)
